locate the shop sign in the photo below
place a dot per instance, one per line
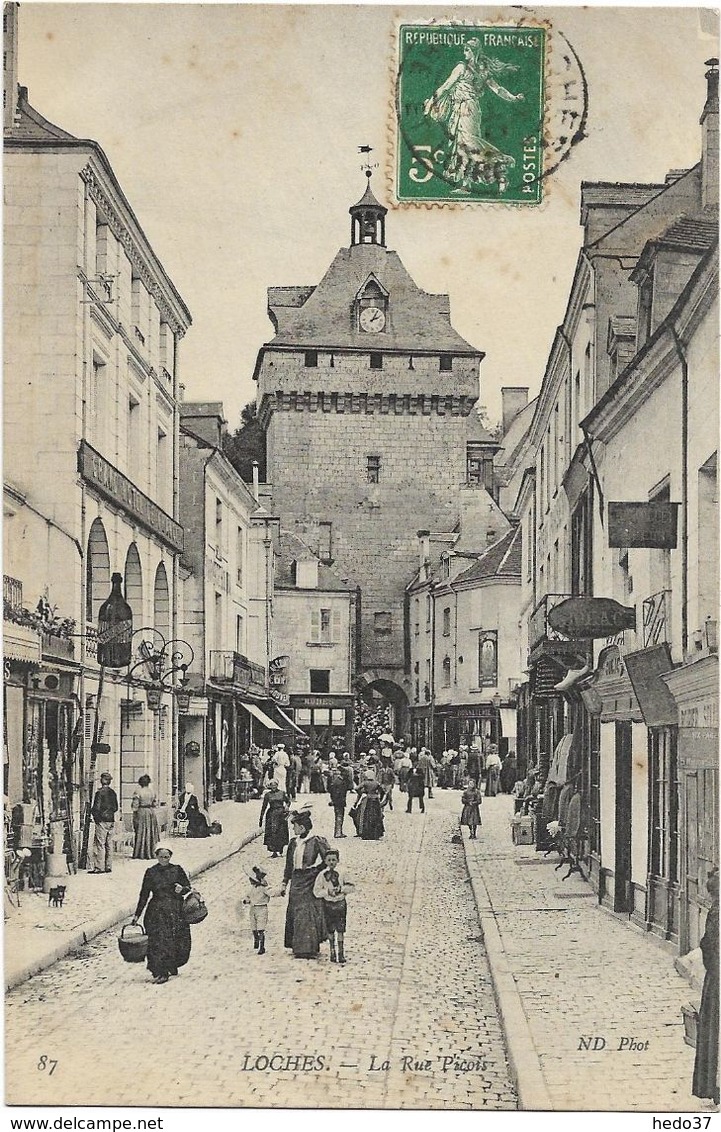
(645, 669)
(278, 680)
(701, 715)
(610, 663)
(478, 711)
(118, 489)
(590, 617)
(320, 702)
(651, 525)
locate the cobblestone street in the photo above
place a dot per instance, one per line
(416, 986)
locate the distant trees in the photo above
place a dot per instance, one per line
(247, 444)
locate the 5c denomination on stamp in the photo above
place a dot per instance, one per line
(470, 113)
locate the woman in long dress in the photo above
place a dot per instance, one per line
(161, 898)
(706, 1067)
(190, 808)
(304, 920)
(275, 812)
(367, 813)
(145, 820)
(456, 106)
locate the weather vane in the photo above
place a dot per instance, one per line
(367, 166)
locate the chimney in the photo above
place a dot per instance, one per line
(514, 399)
(256, 480)
(10, 65)
(424, 550)
(710, 139)
(205, 419)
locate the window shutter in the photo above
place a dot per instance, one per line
(315, 625)
(335, 636)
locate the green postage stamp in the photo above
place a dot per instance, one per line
(470, 112)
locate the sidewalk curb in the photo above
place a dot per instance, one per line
(523, 1056)
(81, 936)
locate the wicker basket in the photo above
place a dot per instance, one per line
(133, 948)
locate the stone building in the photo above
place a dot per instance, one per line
(366, 392)
(314, 632)
(226, 609)
(617, 504)
(92, 324)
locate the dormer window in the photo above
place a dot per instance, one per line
(371, 307)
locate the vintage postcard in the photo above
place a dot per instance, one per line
(360, 623)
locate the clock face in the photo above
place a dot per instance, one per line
(372, 319)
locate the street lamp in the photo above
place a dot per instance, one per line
(162, 660)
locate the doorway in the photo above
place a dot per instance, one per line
(622, 896)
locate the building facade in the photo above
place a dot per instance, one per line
(226, 609)
(365, 392)
(616, 507)
(93, 325)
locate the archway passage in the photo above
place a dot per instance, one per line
(381, 709)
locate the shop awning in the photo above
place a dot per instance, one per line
(21, 643)
(288, 720)
(508, 722)
(261, 717)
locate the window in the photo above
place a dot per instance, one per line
(325, 542)
(418, 617)
(446, 672)
(708, 542)
(311, 359)
(376, 361)
(382, 622)
(239, 557)
(325, 625)
(428, 609)
(582, 547)
(319, 679)
(447, 622)
(488, 659)
(427, 689)
(446, 363)
(664, 804)
(239, 633)
(134, 438)
(218, 624)
(218, 524)
(479, 471)
(163, 478)
(373, 469)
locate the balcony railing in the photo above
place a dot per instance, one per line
(657, 619)
(538, 627)
(12, 592)
(228, 667)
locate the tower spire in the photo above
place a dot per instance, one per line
(368, 218)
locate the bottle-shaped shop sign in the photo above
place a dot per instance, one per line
(115, 628)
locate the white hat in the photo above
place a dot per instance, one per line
(163, 845)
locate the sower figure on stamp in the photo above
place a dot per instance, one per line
(331, 886)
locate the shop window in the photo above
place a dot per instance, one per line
(311, 359)
(97, 571)
(302, 716)
(133, 583)
(373, 469)
(664, 805)
(321, 717)
(320, 679)
(488, 659)
(447, 622)
(337, 717)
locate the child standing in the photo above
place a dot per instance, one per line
(258, 897)
(331, 886)
(471, 812)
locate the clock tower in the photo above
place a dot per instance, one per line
(365, 393)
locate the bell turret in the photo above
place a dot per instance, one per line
(368, 219)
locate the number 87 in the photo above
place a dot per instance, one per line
(424, 174)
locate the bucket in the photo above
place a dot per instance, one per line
(133, 948)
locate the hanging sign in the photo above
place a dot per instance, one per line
(652, 525)
(590, 617)
(278, 682)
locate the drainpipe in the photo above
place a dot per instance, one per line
(684, 488)
(433, 663)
